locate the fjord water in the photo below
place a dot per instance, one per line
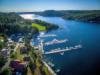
(84, 61)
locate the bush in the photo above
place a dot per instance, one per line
(6, 71)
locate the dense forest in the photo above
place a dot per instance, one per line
(80, 15)
(11, 23)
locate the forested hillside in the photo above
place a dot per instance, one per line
(80, 15)
(12, 23)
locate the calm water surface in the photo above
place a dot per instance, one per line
(84, 61)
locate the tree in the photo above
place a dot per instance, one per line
(6, 71)
(2, 61)
(14, 55)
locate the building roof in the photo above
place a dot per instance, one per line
(17, 65)
(4, 49)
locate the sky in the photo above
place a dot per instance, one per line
(41, 5)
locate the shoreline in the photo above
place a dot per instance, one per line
(49, 68)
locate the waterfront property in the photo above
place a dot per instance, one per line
(26, 58)
(82, 51)
(24, 50)
(5, 52)
(18, 67)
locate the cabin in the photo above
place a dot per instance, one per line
(26, 58)
(18, 67)
(21, 40)
(36, 48)
(10, 42)
(5, 52)
(23, 50)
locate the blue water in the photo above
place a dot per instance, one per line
(84, 61)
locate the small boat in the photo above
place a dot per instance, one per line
(38, 38)
(51, 64)
(62, 53)
(58, 70)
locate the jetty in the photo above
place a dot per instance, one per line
(42, 34)
(49, 68)
(49, 35)
(55, 41)
(59, 50)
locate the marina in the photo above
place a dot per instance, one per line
(56, 41)
(77, 47)
(42, 35)
(63, 50)
(50, 37)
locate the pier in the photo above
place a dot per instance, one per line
(58, 50)
(54, 51)
(63, 50)
(49, 68)
(46, 35)
(55, 41)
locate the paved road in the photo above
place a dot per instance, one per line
(6, 65)
(49, 68)
(8, 62)
(17, 45)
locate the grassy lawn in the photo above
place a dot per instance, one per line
(1, 38)
(1, 42)
(29, 72)
(39, 27)
(19, 56)
(37, 71)
(47, 72)
(38, 63)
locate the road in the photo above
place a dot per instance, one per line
(9, 59)
(6, 65)
(49, 68)
(17, 45)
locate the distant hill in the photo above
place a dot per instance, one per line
(80, 15)
(24, 12)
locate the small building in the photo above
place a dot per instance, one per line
(26, 58)
(36, 47)
(24, 50)
(10, 42)
(21, 40)
(5, 52)
(13, 64)
(18, 67)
